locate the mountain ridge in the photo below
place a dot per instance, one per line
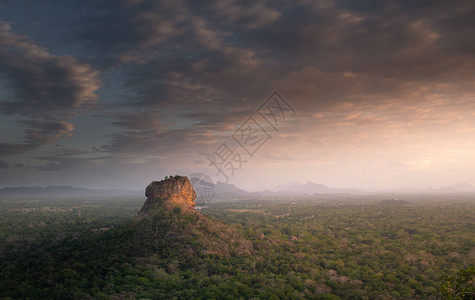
(223, 191)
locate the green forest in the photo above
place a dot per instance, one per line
(292, 249)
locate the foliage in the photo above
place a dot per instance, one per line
(300, 249)
(461, 286)
(176, 177)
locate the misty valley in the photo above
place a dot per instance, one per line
(328, 247)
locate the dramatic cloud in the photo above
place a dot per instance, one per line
(3, 165)
(43, 86)
(320, 56)
(380, 88)
(37, 134)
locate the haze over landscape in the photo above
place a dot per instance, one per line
(115, 94)
(224, 149)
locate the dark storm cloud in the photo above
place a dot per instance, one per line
(172, 50)
(3, 165)
(156, 138)
(180, 59)
(38, 133)
(43, 84)
(214, 58)
(173, 132)
(188, 73)
(63, 159)
(45, 87)
(225, 56)
(140, 121)
(44, 132)
(129, 31)
(137, 31)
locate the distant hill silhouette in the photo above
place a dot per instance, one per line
(315, 188)
(223, 191)
(461, 187)
(226, 191)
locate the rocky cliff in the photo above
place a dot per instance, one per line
(171, 192)
(168, 221)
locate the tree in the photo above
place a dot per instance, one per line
(460, 287)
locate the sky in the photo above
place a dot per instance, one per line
(360, 94)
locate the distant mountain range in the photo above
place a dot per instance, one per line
(461, 187)
(222, 191)
(315, 188)
(225, 191)
(458, 188)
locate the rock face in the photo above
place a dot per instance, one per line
(168, 220)
(168, 193)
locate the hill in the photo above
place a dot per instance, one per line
(226, 191)
(168, 218)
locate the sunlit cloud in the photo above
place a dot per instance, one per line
(384, 93)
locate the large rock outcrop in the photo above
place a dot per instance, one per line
(168, 220)
(168, 193)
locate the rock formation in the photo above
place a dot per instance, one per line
(168, 220)
(171, 192)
